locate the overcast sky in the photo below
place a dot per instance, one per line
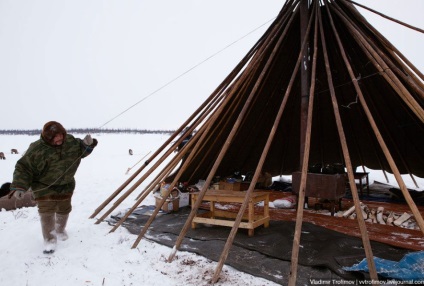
(83, 62)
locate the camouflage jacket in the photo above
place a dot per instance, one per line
(49, 170)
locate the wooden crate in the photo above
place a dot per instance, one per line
(324, 186)
(170, 205)
(236, 186)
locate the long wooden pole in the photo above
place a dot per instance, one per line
(304, 78)
(212, 106)
(147, 174)
(384, 58)
(416, 74)
(307, 146)
(383, 145)
(147, 191)
(221, 87)
(387, 73)
(390, 18)
(261, 162)
(217, 161)
(355, 196)
(205, 131)
(164, 145)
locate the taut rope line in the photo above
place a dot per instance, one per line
(184, 73)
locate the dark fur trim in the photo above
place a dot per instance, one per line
(5, 189)
(52, 128)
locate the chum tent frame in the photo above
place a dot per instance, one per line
(321, 85)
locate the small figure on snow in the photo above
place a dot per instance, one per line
(185, 140)
(48, 168)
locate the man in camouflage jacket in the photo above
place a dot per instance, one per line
(48, 168)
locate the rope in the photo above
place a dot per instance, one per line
(184, 73)
(387, 17)
(151, 94)
(64, 172)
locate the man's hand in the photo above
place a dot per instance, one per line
(88, 140)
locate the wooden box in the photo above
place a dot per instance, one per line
(236, 186)
(170, 205)
(330, 187)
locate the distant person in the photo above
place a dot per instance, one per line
(185, 140)
(48, 168)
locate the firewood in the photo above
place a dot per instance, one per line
(349, 211)
(390, 219)
(372, 217)
(367, 211)
(380, 211)
(364, 213)
(401, 219)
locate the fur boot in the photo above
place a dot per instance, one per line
(61, 221)
(48, 229)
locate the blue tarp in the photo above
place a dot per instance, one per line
(410, 267)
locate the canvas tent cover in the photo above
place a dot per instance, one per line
(391, 90)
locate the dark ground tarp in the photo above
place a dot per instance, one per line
(267, 254)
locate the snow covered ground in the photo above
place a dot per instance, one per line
(92, 255)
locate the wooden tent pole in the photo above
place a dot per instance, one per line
(205, 128)
(394, 168)
(387, 17)
(218, 92)
(307, 146)
(355, 196)
(160, 149)
(383, 145)
(137, 183)
(417, 85)
(163, 174)
(215, 166)
(378, 157)
(258, 170)
(222, 119)
(225, 83)
(195, 124)
(386, 72)
(205, 132)
(267, 146)
(394, 51)
(148, 190)
(384, 59)
(130, 190)
(304, 78)
(225, 108)
(148, 173)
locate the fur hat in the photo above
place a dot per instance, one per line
(50, 130)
